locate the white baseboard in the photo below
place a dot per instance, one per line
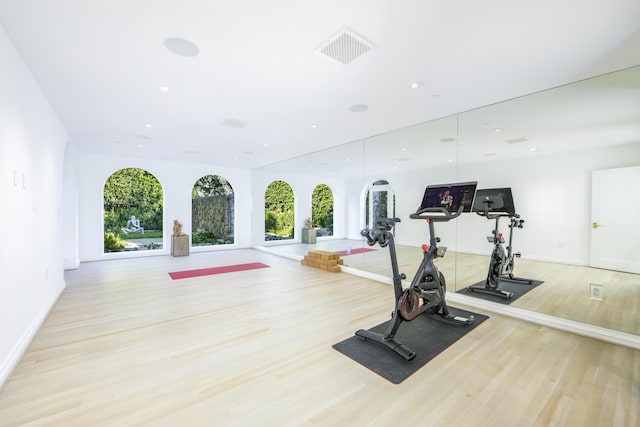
(19, 349)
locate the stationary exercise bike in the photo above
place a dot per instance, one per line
(514, 222)
(494, 204)
(427, 285)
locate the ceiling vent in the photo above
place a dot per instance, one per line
(344, 46)
(516, 140)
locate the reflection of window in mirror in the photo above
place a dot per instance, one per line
(278, 211)
(380, 202)
(322, 210)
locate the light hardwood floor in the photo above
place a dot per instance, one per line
(126, 345)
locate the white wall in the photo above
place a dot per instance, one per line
(177, 180)
(32, 147)
(552, 193)
(70, 210)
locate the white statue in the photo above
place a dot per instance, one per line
(133, 225)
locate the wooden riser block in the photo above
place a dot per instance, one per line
(327, 261)
(323, 255)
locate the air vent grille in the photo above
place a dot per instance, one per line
(345, 46)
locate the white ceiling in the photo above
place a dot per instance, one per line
(100, 64)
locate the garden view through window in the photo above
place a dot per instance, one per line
(132, 215)
(212, 212)
(380, 202)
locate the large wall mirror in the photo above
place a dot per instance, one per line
(571, 158)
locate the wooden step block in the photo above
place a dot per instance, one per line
(324, 260)
(324, 255)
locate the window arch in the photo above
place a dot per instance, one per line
(132, 211)
(212, 212)
(380, 202)
(322, 210)
(278, 211)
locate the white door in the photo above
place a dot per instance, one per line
(615, 217)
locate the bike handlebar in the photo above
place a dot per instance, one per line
(441, 214)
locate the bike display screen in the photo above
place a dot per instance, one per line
(450, 196)
(498, 200)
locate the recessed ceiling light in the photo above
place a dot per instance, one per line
(533, 149)
(450, 161)
(497, 130)
(140, 145)
(359, 108)
(403, 149)
(147, 125)
(415, 85)
(314, 126)
(163, 88)
(265, 145)
(181, 47)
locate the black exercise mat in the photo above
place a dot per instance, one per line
(518, 290)
(427, 335)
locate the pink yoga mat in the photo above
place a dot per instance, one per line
(216, 270)
(355, 251)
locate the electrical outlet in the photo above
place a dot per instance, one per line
(597, 292)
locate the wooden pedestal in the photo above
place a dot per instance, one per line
(308, 235)
(180, 245)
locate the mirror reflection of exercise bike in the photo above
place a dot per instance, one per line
(428, 285)
(514, 222)
(494, 204)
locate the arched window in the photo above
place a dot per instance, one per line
(133, 201)
(212, 212)
(322, 210)
(278, 211)
(380, 202)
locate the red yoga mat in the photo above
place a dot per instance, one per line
(355, 251)
(216, 270)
